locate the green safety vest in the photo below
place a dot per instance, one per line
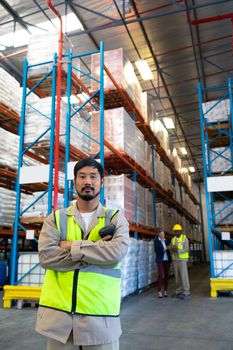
(94, 290)
(179, 242)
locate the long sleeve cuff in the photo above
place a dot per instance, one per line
(76, 254)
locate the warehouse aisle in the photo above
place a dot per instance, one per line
(148, 323)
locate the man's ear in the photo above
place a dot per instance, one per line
(102, 182)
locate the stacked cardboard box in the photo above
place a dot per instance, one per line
(149, 208)
(120, 190)
(122, 71)
(117, 124)
(141, 204)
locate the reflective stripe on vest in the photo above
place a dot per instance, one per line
(93, 290)
(180, 242)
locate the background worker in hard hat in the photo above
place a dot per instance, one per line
(179, 248)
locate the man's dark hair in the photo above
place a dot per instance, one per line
(88, 162)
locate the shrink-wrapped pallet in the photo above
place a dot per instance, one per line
(10, 93)
(9, 149)
(152, 267)
(216, 111)
(223, 267)
(80, 129)
(7, 207)
(221, 159)
(143, 264)
(38, 120)
(40, 208)
(129, 269)
(120, 190)
(223, 212)
(119, 131)
(35, 55)
(122, 71)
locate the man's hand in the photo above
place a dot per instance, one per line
(107, 238)
(65, 245)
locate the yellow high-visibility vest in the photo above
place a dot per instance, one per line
(93, 290)
(180, 242)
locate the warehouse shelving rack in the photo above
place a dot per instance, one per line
(218, 183)
(123, 161)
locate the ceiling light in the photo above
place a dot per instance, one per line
(192, 169)
(144, 69)
(183, 151)
(168, 123)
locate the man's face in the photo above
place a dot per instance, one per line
(88, 183)
(177, 233)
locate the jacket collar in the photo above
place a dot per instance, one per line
(73, 210)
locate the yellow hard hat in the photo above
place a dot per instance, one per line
(177, 227)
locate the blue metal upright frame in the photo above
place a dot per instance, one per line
(211, 155)
(100, 94)
(22, 152)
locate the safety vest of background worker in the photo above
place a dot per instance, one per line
(179, 242)
(92, 290)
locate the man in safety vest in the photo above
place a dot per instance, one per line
(81, 294)
(179, 248)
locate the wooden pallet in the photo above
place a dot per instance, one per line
(9, 118)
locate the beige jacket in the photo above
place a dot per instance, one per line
(87, 330)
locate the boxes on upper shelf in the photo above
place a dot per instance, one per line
(38, 120)
(121, 132)
(10, 93)
(223, 212)
(35, 55)
(9, 149)
(122, 71)
(216, 111)
(120, 190)
(220, 158)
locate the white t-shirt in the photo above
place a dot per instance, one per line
(87, 218)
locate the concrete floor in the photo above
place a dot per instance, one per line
(148, 323)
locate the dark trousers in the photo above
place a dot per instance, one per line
(163, 274)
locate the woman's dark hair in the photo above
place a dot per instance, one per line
(88, 162)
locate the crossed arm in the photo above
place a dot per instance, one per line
(67, 256)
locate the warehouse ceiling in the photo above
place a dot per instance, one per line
(162, 32)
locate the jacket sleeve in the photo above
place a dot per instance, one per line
(51, 255)
(104, 252)
(158, 247)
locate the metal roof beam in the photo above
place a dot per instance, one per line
(92, 11)
(14, 14)
(118, 23)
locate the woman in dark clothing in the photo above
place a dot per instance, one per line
(163, 260)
